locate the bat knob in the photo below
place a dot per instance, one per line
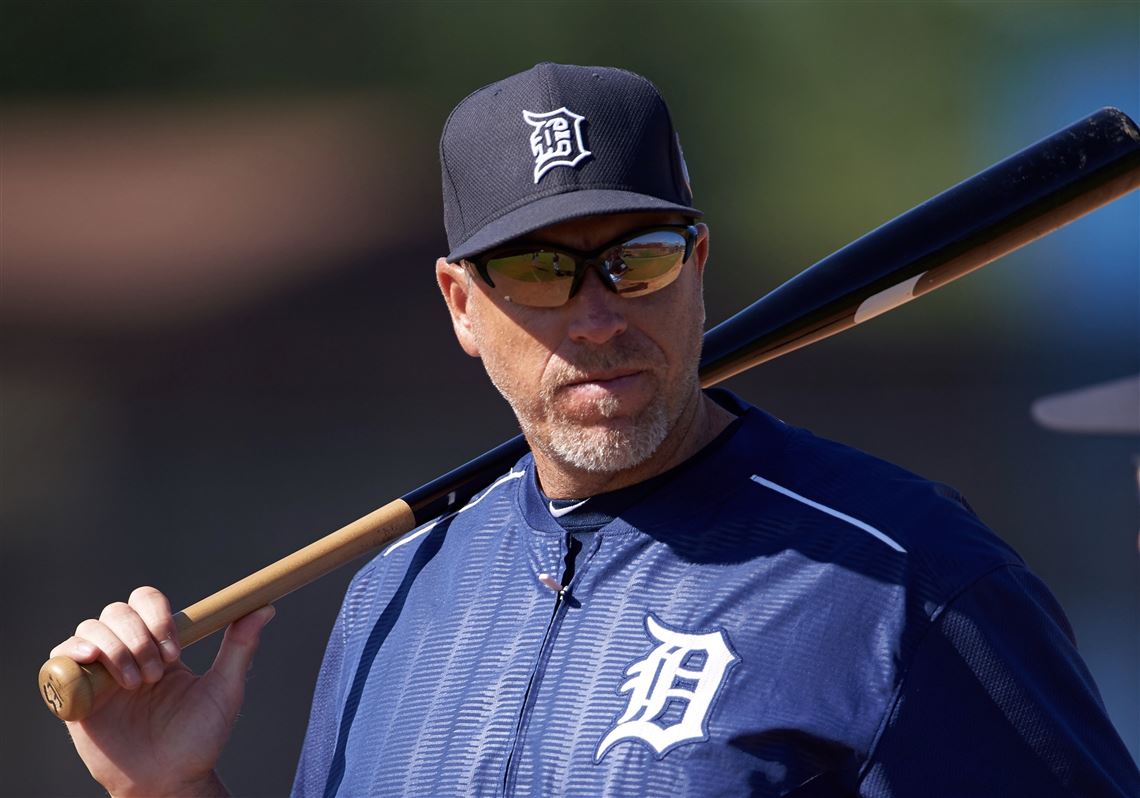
(69, 689)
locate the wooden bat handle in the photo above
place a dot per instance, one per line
(72, 691)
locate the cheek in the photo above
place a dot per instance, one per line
(513, 358)
(675, 325)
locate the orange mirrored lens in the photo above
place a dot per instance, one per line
(537, 279)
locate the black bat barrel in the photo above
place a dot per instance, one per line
(1026, 186)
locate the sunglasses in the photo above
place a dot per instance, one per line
(545, 276)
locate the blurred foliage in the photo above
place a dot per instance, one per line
(84, 48)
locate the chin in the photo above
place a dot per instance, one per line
(613, 445)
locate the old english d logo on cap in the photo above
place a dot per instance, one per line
(553, 143)
(556, 140)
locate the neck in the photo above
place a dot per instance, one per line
(699, 423)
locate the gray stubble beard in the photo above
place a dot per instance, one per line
(598, 450)
(604, 450)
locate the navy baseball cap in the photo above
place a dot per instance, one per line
(557, 142)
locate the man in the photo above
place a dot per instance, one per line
(675, 593)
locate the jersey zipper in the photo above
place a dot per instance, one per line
(529, 696)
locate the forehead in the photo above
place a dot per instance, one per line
(591, 232)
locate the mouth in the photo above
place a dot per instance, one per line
(614, 389)
(604, 379)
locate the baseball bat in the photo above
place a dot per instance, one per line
(1014, 202)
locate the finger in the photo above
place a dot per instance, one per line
(113, 652)
(129, 627)
(237, 650)
(77, 649)
(154, 609)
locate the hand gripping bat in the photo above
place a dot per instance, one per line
(1026, 196)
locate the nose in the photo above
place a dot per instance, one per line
(596, 312)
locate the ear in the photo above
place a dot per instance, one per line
(455, 283)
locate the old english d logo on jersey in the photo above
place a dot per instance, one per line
(671, 689)
(556, 140)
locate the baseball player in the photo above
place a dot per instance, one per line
(675, 593)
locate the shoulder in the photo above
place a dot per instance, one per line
(999, 673)
(861, 507)
(445, 541)
(495, 499)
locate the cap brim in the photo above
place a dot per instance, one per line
(560, 208)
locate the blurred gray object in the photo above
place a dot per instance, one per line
(1107, 408)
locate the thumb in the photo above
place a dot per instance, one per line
(236, 652)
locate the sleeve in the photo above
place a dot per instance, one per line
(324, 716)
(998, 702)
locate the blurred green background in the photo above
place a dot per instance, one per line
(220, 337)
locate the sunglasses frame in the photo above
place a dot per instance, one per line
(584, 260)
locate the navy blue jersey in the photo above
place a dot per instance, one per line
(782, 616)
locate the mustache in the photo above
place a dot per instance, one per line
(585, 360)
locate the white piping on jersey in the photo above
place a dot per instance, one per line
(429, 527)
(830, 511)
(558, 512)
